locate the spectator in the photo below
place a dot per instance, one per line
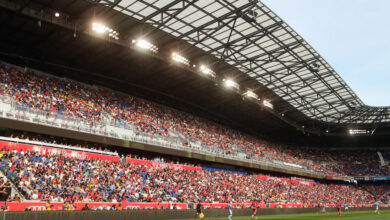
(66, 99)
(57, 178)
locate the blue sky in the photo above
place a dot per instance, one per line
(352, 35)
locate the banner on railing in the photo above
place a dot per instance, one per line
(56, 151)
(342, 178)
(372, 178)
(381, 178)
(224, 205)
(162, 165)
(271, 205)
(261, 177)
(41, 206)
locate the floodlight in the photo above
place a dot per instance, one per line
(207, 71)
(178, 58)
(102, 29)
(268, 104)
(251, 94)
(231, 83)
(143, 44)
(358, 131)
(99, 28)
(57, 14)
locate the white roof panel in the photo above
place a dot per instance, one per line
(268, 44)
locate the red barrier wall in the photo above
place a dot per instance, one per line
(41, 206)
(55, 151)
(159, 164)
(261, 177)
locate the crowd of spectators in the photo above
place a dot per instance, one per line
(381, 191)
(358, 163)
(94, 104)
(58, 179)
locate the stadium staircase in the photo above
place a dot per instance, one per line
(381, 160)
(331, 159)
(14, 190)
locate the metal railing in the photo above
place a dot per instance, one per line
(118, 129)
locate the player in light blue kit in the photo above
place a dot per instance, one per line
(346, 207)
(323, 211)
(377, 208)
(230, 211)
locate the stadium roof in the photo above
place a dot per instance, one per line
(249, 36)
(242, 40)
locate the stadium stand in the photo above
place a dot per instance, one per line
(238, 112)
(59, 177)
(78, 101)
(380, 191)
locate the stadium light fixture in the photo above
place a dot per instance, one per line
(207, 71)
(180, 59)
(268, 104)
(143, 44)
(102, 29)
(251, 94)
(358, 131)
(230, 84)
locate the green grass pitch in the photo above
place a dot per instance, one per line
(366, 215)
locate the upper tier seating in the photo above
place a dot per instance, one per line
(79, 101)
